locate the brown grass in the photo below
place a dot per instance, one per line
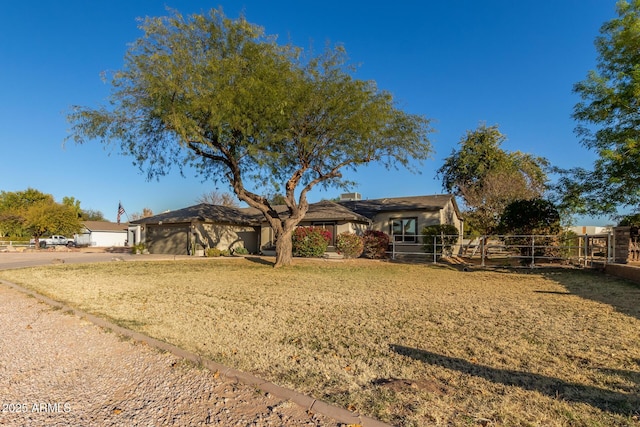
(412, 345)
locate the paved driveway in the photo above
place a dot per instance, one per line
(9, 260)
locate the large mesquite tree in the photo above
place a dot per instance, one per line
(608, 117)
(488, 178)
(218, 95)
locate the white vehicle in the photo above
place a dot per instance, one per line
(53, 241)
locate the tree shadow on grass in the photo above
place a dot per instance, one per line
(621, 294)
(606, 400)
(259, 260)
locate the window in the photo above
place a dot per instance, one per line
(404, 229)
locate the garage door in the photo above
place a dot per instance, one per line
(167, 239)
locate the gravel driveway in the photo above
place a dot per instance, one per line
(58, 369)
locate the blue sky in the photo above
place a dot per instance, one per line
(461, 63)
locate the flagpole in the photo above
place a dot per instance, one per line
(122, 211)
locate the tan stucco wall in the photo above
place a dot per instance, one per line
(225, 237)
(174, 238)
(382, 221)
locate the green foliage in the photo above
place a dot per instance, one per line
(537, 216)
(215, 252)
(607, 118)
(31, 213)
(91, 215)
(376, 244)
(489, 178)
(439, 238)
(138, 248)
(45, 218)
(632, 220)
(310, 241)
(220, 96)
(525, 218)
(350, 245)
(240, 250)
(14, 207)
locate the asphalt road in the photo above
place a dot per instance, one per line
(11, 260)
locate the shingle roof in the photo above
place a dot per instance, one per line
(357, 211)
(104, 226)
(369, 208)
(205, 213)
(321, 211)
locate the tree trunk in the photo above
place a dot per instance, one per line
(284, 249)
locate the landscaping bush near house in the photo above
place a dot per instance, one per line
(375, 244)
(310, 241)
(350, 245)
(241, 250)
(439, 238)
(137, 248)
(215, 252)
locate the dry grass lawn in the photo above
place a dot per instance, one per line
(412, 345)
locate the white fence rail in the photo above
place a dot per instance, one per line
(529, 250)
(4, 244)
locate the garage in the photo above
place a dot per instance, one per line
(170, 239)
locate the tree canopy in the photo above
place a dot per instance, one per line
(608, 117)
(31, 213)
(218, 95)
(528, 217)
(488, 178)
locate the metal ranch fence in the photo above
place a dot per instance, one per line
(509, 250)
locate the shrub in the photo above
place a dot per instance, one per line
(443, 235)
(310, 241)
(376, 244)
(350, 245)
(138, 248)
(241, 250)
(215, 252)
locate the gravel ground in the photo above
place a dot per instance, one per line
(57, 369)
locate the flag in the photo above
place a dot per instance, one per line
(120, 211)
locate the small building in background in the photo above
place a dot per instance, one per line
(102, 234)
(591, 230)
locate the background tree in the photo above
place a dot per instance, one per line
(14, 207)
(532, 226)
(215, 197)
(48, 217)
(146, 213)
(276, 199)
(608, 117)
(91, 215)
(218, 95)
(73, 204)
(487, 178)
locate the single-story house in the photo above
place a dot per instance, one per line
(189, 231)
(102, 234)
(193, 229)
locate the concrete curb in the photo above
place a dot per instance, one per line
(309, 403)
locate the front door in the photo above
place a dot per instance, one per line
(329, 226)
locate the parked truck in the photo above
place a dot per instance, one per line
(53, 241)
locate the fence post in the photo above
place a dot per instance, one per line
(533, 251)
(435, 260)
(482, 250)
(586, 249)
(393, 248)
